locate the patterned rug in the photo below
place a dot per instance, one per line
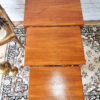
(91, 70)
(16, 88)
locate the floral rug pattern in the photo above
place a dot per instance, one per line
(91, 70)
(16, 88)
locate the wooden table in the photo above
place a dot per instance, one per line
(53, 13)
(55, 83)
(53, 37)
(54, 46)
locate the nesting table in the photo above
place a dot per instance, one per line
(53, 37)
(53, 34)
(55, 83)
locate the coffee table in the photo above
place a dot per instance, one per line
(53, 13)
(53, 37)
(53, 34)
(55, 83)
(54, 46)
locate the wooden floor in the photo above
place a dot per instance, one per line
(55, 83)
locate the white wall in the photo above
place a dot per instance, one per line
(15, 9)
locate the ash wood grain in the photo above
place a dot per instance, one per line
(55, 83)
(52, 13)
(53, 46)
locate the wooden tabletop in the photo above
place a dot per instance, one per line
(53, 46)
(55, 83)
(53, 13)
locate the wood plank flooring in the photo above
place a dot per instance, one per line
(55, 83)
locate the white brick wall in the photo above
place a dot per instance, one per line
(15, 9)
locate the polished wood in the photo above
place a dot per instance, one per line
(55, 83)
(53, 46)
(53, 13)
(96, 22)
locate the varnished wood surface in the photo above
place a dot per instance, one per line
(53, 46)
(52, 13)
(55, 83)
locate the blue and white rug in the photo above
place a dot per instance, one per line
(91, 70)
(16, 88)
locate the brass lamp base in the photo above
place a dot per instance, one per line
(6, 68)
